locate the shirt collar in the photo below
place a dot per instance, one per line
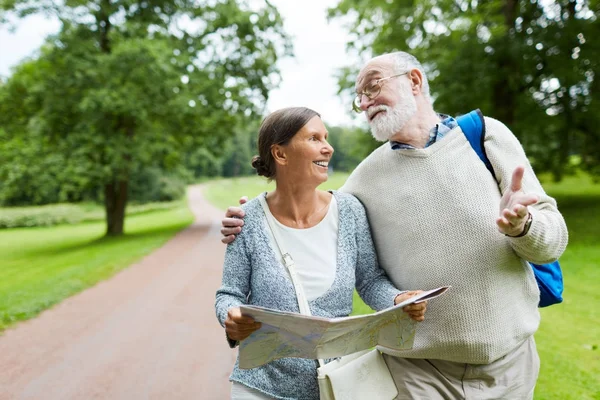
(446, 124)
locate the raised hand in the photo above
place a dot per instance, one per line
(513, 206)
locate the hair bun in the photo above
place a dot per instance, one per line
(259, 165)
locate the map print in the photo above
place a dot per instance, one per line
(287, 334)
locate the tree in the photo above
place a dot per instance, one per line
(351, 146)
(127, 84)
(530, 63)
(236, 159)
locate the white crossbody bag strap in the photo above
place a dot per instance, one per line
(288, 262)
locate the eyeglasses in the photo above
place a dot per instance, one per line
(372, 90)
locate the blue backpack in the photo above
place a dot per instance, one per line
(548, 276)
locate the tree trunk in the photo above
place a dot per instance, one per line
(115, 200)
(504, 103)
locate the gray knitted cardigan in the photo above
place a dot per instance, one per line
(253, 275)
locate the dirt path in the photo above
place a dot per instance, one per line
(149, 332)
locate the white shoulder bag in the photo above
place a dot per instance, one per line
(358, 376)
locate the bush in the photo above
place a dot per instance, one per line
(56, 214)
(53, 214)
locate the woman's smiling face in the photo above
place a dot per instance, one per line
(308, 153)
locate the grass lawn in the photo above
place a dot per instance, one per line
(568, 340)
(39, 267)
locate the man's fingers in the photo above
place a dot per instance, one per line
(503, 224)
(228, 239)
(232, 222)
(529, 200)
(520, 210)
(234, 212)
(509, 215)
(243, 199)
(231, 231)
(517, 178)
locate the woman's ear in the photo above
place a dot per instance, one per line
(279, 154)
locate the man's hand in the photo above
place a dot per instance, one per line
(233, 222)
(513, 206)
(239, 327)
(416, 311)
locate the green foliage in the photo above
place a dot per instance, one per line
(239, 150)
(346, 143)
(30, 174)
(203, 163)
(40, 267)
(32, 179)
(69, 213)
(530, 63)
(152, 185)
(351, 146)
(127, 85)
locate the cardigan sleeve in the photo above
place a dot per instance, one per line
(548, 236)
(235, 286)
(372, 283)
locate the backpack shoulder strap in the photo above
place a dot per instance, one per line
(473, 126)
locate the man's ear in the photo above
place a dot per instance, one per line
(416, 80)
(279, 154)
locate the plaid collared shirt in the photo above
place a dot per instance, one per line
(436, 133)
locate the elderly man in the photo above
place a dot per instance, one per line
(439, 217)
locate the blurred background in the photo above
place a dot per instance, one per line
(109, 109)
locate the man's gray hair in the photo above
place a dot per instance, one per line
(405, 62)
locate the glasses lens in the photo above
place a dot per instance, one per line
(373, 89)
(356, 104)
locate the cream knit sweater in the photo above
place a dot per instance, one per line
(432, 212)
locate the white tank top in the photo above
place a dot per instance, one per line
(314, 251)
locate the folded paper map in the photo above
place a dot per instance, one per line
(287, 334)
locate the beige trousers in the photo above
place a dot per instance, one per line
(511, 377)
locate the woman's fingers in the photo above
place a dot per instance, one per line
(416, 311)
(238, 326)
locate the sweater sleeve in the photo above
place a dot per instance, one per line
(548, 236)
(235, 286)
(372, 283)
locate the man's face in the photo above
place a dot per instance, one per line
(388, 112)
(367, 78)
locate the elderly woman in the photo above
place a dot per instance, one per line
(326, 232)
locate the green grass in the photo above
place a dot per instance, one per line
(41, 266)
(568, 339)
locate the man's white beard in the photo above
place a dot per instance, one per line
(393, 119)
